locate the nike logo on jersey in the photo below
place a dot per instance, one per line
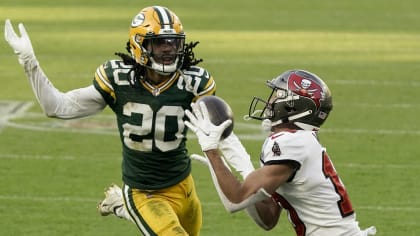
(189, 193)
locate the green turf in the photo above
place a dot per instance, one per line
(53, 172)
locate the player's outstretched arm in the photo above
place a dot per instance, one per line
(73, 104)
(22, 45)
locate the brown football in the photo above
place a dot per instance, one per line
(219, 111)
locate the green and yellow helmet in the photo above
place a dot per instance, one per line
(151, 28)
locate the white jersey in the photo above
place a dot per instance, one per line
(315, 198)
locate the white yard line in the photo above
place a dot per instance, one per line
(253, 136)
(4, 156)
(375, 83)
(379, 166)
(14, 109)
(389, 208)
(46, 198)
(410, 83)
(34, 157)
(105, 131)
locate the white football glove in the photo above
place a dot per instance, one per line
(21, 45)
(208, 134)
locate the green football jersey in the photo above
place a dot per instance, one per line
(151, 121)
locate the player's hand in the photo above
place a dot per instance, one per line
(21, 45)
(199, 122)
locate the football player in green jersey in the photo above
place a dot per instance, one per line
(148, 90)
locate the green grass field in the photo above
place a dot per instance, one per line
(53, 172)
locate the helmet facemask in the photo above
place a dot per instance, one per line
(278, 108)
(164, 52)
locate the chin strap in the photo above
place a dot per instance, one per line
(268, 124)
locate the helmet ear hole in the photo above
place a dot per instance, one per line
(137, 38)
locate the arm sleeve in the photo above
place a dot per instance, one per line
(236, 155)
(231, 207)
(72, 104)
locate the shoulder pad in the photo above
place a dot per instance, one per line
(198, 81)
(110, 74)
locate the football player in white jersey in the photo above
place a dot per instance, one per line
(296, 172)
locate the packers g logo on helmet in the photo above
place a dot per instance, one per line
(151, 28)
(138, 20)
